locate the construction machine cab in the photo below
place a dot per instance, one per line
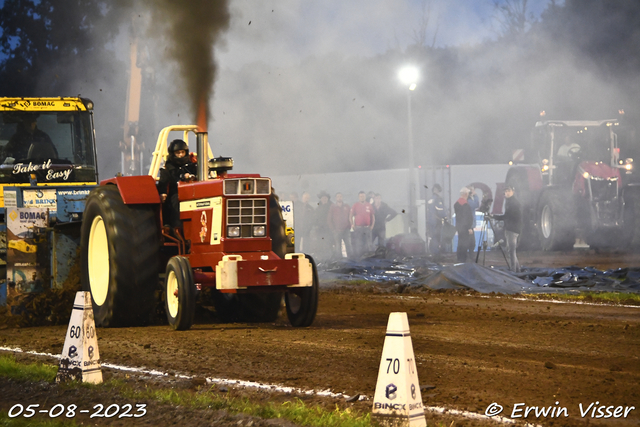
(51, 138)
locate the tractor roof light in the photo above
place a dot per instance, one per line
(585, 175)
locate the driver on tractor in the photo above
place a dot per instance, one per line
(178, 167)
(568, 149)
(566, 159)
(29, 142)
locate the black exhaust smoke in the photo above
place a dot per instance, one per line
(191, 29)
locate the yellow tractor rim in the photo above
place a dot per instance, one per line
(98, 261)
(172, 294)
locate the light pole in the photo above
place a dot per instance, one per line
(409, 77)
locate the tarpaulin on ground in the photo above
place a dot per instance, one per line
(421, 271)
(476, 277)
(583, 279)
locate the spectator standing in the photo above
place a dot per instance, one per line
(324, 237)
(473, 200)
(340, 226)
(512, 218)
(362, 221)
(304, 222)
(370, 196)
(464, 225)
(435, 219)
(383, 214)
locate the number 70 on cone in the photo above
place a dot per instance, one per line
(397, 400)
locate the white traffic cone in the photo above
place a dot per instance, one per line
(397, 400)
(80, 356)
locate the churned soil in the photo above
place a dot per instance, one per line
(472, 350)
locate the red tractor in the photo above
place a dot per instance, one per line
(579, 188)
(231, 251)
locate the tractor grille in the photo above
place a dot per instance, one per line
(246, 213)
(603, 189)
(604, 193)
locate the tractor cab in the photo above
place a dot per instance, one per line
(565, 148)
(52, 143)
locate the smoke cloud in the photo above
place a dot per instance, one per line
(191, 29)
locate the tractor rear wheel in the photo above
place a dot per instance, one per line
(277, 227)
(302, 303)
(179, 293)
(120, 246)
(556, 221)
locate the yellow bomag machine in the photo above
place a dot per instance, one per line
(47, 170)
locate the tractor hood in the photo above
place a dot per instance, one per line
(598, 172)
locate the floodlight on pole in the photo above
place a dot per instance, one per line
(409, 77)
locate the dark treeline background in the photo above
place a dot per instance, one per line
(474, 103)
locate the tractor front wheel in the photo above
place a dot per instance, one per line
(302, 303)
(556, 221)
(120, 245)
(179, 293)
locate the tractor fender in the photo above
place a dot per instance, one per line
(135, 190)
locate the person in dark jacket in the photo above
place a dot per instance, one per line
(177, 167)
(512, 225)
(383, 214)
(340, 226)
(304, 217)
(436, 215)
(323, 247)
(464, 226)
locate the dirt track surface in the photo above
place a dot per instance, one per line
(474, 349)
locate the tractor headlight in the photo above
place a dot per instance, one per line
(628, 166)
(233, 231)
(259, 231)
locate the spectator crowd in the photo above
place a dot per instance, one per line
(334, 229)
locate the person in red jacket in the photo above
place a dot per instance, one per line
(362, 221)
(340, 225)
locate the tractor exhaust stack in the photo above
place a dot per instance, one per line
(202, 139)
